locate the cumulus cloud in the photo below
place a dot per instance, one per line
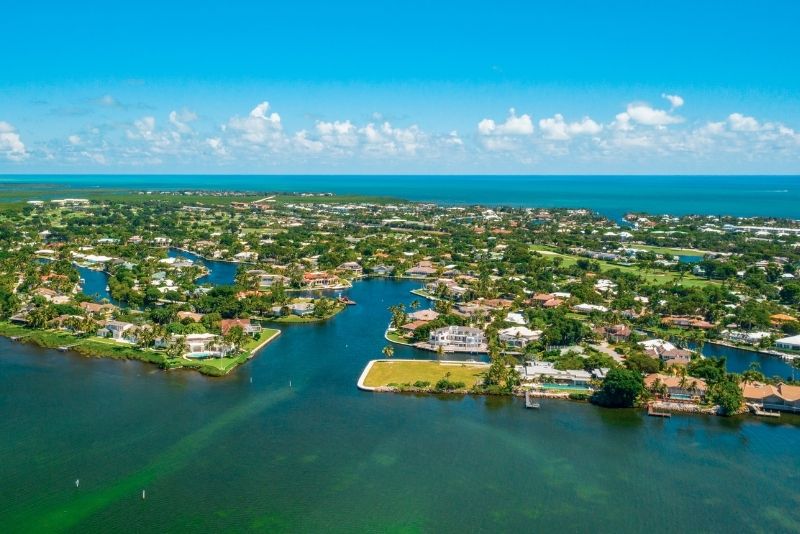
(513, 125)
(556, 129)
(74, 139)
(742, 123)
(11, 146)
(259, 127)
(644, 114)
(674, 100)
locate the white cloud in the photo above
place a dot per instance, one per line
(182, 119)
(74, 139)
(389, 140)
(217, 146)
(742, 123)
(304, 142)
(11, 146)
(674, 100)
(648, 116)
(513, 125)
(341, 134)
(258, 127)
(556, 129)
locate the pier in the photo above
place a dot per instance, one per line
(529, 402)
(652, 412)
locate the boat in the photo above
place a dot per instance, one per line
(347, 301)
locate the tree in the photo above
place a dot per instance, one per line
(642, 363)
(388, 351)
(398, 315)
(235, 337)
(727, 395)
(620, 389)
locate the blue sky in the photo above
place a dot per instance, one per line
(417, 87)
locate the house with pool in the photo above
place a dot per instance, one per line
(199, 346)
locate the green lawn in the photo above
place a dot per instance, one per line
(654, 276)
(408, 372)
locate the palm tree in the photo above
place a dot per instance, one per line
(414, 304)
(388, 351)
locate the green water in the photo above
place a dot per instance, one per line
(234, 455)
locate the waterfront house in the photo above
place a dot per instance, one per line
(352, 268)
(788, 343)
(246, 256)
(545, 372)
(267, 280)
(678, 387)
(302, 309)
(204, 346)
(118, 331)
(382, 270)
(687, 322)
(97, 309)
(424, 315)
(409, 328)
(247, 327)
(458, 339)
(781, 397)
(319, 280)
(421, 271)
(518, 336)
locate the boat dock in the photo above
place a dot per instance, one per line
(529, 403)
(652, 412)
(760, 411)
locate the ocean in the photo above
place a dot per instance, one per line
(612, 196)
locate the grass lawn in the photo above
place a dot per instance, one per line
(397, 338)
(408, 372)
(658, 277)
(291, 318)
(673, 251)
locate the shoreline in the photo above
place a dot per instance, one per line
(671, 406)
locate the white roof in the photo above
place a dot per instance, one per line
(515, 318)
(791, 340)
(520, 331)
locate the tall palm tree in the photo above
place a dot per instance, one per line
(388, 351)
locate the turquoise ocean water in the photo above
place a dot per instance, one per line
(775, 196)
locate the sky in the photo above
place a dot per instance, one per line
(418, 87)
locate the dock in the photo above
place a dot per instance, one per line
(761, 412)
(652, 412)
(529, 403)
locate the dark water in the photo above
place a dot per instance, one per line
(234, 455)
(738, 360)
(776, 196)
(95, 284)
(220, 272)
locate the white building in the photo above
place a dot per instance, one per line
(518, 336)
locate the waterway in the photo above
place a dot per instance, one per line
(250, 453)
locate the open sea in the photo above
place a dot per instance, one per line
(613, 196)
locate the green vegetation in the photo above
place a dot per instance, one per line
(621, 389)
(403, 372)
